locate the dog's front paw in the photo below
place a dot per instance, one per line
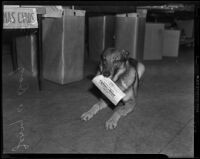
(87, 115)
(112, 122)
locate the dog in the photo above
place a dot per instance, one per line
(126, 73)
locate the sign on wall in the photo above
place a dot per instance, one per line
(19, 18)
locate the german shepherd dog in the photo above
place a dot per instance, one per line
(126, 73)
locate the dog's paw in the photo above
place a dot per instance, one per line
(112, 122)
(87, 116)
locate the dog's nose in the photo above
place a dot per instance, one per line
(106, 74)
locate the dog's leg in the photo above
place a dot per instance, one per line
(130, 101)
(121, 111)
(140, 69)
(94, 110)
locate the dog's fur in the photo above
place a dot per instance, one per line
(126, 73)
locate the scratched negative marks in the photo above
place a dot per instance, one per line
(21, 90)
(20, 135)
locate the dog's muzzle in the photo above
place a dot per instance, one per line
(106, 73)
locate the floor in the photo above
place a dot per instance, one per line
(49, 121)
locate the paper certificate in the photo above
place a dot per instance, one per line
(109, 88)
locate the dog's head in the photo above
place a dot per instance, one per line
(112, 60)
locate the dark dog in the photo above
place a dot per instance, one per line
(125, 72)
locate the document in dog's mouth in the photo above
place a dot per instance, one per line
(108, 88)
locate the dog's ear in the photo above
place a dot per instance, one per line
(125, 54)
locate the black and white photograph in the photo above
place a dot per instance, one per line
(104, 78)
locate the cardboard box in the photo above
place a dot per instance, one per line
(63, 47)
(153, 45)
(171, 43)
(130, 32)
(101, 32)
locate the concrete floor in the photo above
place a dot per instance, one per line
(162, 122)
